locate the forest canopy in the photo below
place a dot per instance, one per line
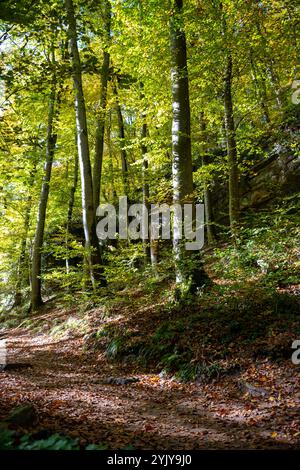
(160, 101)
(149, 225)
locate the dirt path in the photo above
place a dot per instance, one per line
(66, 386)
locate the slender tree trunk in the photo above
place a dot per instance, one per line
(154, 252)
(121, 129)
(71, 207)
(208, 207)
(23, 258)
(146, 191)
(181, 138)
(93, 254)
(275, 83)
(261, 90)
(234, 199)
(100, 129)
(269, 68)
(72, 192)
(151, 246)
(111, 163)
(210, 231)
(36, 295)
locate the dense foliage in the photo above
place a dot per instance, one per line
(241, 56)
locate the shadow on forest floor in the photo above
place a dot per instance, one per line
(224, 349)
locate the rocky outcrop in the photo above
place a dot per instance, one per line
(279, 174)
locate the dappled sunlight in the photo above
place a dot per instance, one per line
(72, 395)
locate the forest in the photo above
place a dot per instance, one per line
(150, 225)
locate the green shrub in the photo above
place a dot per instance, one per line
(10, 441)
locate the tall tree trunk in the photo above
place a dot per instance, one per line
(111, 163)
(234, 199)
(181, 139)
(151, 246)
(93, 255)
(210, 231)
(72, 192)
(269, 67)
(71, 206)
(261, 89)
(146, 190)
(23, 258)
(208, 207)
(36, 295)
(274, 79)
(100, 129)
(121, 130)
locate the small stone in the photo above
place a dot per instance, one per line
(121, 381)
(251, 390)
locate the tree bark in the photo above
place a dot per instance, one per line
(146, 189)
(36, 295)
(72, 192)
(269, 67)
(181, 139)
(23, 258)
(113, 192)
(100, 129)
(261, 89)
(234, 199)
(93, 255)
(121, 130)
(210, 231)
(71, 206)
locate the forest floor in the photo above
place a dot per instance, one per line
(255, 407)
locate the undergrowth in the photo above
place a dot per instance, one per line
(242, 315)
(10, 440)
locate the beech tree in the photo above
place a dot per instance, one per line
(183, 191)
(93, 256)
(101, 111)
(234, 198)
(192, 135)
(36, 294)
